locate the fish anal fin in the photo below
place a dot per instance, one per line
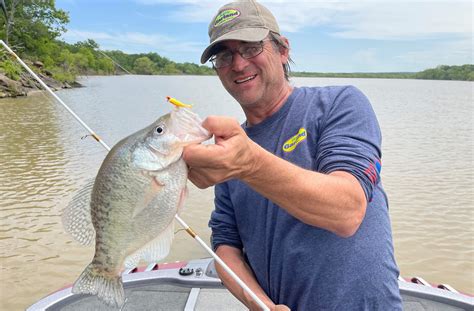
(159, 248)
(76, 217)
(133, 260)
(154, 250)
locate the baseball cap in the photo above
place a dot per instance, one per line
(241, 20)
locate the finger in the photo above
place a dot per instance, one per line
(202, 155)
(221, 126)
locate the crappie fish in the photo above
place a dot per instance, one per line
(129, 208)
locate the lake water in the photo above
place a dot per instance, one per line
(427, 154)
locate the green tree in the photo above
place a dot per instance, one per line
(170, 69)
(144, 65)
(443, 72)
(30, 23)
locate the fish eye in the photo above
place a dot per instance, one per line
(160, 129)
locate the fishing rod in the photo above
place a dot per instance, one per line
(113, 61)
(188, 229)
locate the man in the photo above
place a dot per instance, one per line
(300, 213)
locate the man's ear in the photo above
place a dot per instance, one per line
(284, 51)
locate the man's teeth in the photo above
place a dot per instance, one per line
(245, 79)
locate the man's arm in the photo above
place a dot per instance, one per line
(234, 259)
(334, 201)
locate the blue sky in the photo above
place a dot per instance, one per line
(325, 36)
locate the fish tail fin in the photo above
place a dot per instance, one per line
(95, 281)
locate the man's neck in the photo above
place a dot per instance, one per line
(259, 112)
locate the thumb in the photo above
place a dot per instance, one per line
(222, 126)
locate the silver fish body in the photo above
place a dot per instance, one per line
(130, 206)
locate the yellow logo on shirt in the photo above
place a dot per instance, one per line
(291, 143)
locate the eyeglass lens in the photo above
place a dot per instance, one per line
(224, 58)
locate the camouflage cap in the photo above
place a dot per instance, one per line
(241, 20)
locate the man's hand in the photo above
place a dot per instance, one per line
(232, 155)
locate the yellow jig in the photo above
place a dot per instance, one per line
(177, 103)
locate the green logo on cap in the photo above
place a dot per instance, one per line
(226, 16)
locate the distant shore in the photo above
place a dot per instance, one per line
(26, 84)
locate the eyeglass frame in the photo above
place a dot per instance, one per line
(214, 57)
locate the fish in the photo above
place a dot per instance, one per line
(129, 208)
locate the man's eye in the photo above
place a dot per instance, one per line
(224, 55)
(249, 50)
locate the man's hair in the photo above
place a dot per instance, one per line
(279, 43)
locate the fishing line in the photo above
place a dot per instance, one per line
(188, 229)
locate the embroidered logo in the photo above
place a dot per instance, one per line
(225, 17)
(291, 143)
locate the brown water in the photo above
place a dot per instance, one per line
(427, 172)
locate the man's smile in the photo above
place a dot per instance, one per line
(245, 79)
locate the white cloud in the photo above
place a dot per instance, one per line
(447, 23)
(366, 19)
(134, 42)
(390, 21)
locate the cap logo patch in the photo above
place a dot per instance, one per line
(291, 143)
(226, 16)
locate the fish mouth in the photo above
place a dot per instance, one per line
(189, 139)
(245, 79)
(187, 127)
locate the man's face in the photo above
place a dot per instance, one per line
(257, 80)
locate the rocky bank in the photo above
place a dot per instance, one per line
(27, 84)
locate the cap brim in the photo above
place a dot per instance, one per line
(247, 34)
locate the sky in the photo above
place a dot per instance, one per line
(325, 36)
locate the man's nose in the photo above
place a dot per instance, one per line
(238, 62)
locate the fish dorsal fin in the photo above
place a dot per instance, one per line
(76, 216)
(155, 250)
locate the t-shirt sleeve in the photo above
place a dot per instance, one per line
(350, 139)
(222, 222)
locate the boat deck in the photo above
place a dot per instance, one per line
(201, 289)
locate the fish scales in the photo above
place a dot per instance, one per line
(139, 188)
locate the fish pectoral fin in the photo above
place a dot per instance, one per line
(155, 186)
(76, 217)
(182, 198)
(154, 250)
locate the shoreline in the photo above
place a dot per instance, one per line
(27, 85)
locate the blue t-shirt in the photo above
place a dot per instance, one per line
(322, 129)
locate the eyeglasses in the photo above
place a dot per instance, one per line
(247, 50)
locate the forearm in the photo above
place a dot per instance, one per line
(234, 259)
(335, 201)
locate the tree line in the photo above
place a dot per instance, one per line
(154, 64)
(442, 72)
(33, 28)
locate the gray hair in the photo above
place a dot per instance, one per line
(280, 43)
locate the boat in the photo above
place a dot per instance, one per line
(195, 285)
